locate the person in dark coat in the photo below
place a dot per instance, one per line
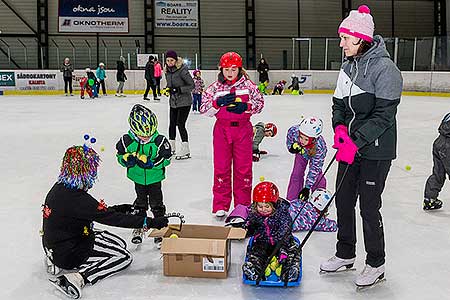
(69, 238)
(263, 71)
(441, 166)
(67, 70)
(120, 76)
(150, 78)
(179, 85)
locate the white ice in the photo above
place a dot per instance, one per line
(36, 130)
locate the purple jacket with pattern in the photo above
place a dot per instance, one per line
(273, 228)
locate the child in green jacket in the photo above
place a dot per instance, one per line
(145, 153)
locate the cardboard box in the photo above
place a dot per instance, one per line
(199, 251)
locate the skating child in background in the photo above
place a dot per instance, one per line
(262, 86)
(145, 153)
(305, 141)
(260, 131)
(295, 86)
(101, 76)
(91, 75)
(270, 223)
(199, 87)
(86, 85)
(441, 166)
(279, 87)
(232, 99)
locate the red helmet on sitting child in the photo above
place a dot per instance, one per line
(272, 127)
(230, 60)
(266, 192)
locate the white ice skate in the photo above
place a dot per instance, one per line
(184, 152)
(137, 234)
(369, 277)
(70, 284)
(336, 264)
(220, 213)
(172, 146)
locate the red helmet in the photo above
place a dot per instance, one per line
(230, 60)
(272, 127)
(265, 192)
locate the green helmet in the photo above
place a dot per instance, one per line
(143, 121)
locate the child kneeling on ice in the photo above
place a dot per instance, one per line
(270, 223)
(309, 147)
(260, 131)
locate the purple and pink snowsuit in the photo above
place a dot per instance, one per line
(297, 182)
(232, 141)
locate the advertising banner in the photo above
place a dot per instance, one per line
(93, 16)
(176, 14)
(7, 79)
(38, 80)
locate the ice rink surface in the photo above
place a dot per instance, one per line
(36, 130)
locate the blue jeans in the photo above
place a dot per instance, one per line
(196, 102)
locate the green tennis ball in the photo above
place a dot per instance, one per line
(407, 167)
(278, 270)
(91, 81)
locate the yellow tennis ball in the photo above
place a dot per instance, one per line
(408, 167)
(238, 99)
(143, 158)
(102, 148)
(261, 178)
(278, 270)
(268, 272)
(173, 236)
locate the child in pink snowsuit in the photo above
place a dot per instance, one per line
(232, 99)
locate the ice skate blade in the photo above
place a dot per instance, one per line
(136, 240)
(362, 288)
(342, 269)
(183, 157)
(70, 292)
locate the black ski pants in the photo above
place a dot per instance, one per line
(364, 179)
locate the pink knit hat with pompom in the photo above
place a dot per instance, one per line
(359, 23)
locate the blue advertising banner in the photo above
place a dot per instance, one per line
(93, 16)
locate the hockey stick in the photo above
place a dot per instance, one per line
(279, 243)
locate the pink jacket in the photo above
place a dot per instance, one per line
(158, 70)
(244, 88)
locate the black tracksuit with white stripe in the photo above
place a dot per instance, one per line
(365, 100)
(68, 234)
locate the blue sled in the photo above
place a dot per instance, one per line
(273, 279)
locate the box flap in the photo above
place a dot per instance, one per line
(210, 247)
(236, 233)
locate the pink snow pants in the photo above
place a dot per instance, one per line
(232, 142)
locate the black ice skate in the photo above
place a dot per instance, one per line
(431, 204)
(137, 236)
(158, 242)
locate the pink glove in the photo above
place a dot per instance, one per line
(346, 150)
(340, 133)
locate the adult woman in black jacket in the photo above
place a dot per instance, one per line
(68, 236)
(263, 70)
(120, 76)
(364, 108)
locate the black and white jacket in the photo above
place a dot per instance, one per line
(365, 100)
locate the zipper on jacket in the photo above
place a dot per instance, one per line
(350, 97)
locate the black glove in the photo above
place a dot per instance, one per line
(123, 208)
(304, 194)
(256, 151)
(145, 163)
(129, 160)
(174, 90)
(238, 108)
(295, 148)
(158, 222)
(226, 100)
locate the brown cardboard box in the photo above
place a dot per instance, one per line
(199, 251)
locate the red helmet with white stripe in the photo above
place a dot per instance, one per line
(272, 127)
(230, 60)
